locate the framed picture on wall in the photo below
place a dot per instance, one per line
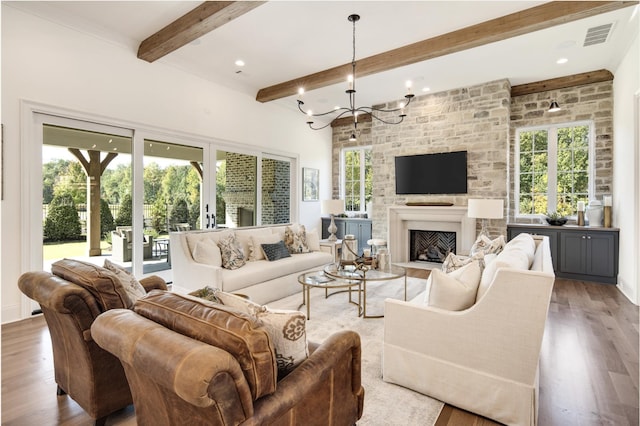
(310, 182)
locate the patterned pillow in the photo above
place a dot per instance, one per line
(487, 246)
(296, 241)
(453, 261)
(131, 285)
(207, 293)
(286, 329)
(275, 251)
(232, 254)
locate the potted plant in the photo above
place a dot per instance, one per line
(556, 219)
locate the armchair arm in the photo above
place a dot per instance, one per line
(153, 282)
(205, 377)
(189, 275)
(335, 365)
(506, 324)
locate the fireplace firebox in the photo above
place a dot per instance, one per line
(431, 246)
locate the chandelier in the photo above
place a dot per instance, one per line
(352, 110)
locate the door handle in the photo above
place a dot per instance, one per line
(208, 220)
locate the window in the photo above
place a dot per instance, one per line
(357, 176)
(553, 168)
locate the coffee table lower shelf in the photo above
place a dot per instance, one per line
(317, 279)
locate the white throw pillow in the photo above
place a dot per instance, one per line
(313, 240)
(244, 238)
(455, 291)
(525, 243)
(286, 329)
(507, 259)
(134, 289)
(255, 243)
(207, 251)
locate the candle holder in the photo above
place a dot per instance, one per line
(607, 216)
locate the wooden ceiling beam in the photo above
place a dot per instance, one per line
(200, 21)
(534, 19)
(562, 82)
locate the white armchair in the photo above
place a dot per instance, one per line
(483, 359)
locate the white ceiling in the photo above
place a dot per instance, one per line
(283, 40)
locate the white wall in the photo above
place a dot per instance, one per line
(626, 165)
(50, 64)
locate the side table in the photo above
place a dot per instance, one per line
(332, 247)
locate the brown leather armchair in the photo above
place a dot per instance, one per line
(179, 376)
(71, 299)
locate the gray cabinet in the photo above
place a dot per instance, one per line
(579, 252)
(589, 253)
(361, 228)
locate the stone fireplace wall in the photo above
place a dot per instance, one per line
(482, 120)
(474, 118)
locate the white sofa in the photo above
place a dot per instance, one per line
(262, 280)
(483, 359)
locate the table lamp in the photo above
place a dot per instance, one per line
(332, 207)
(485, 209)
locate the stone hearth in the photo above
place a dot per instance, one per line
(402, 219)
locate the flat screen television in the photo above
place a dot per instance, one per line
(441, 173)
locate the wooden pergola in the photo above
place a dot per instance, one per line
(88, 147)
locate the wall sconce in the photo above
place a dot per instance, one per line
(554, 107)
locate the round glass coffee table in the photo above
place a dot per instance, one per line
(364, 275)
(319, 279)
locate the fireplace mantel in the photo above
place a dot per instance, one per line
(402, 219)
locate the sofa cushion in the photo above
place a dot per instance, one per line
(516, 259)
(287, 330)
(194, 237)
(455, 291)
(232, 254)
(275, 251)
(313, 240)
(525, 243)
(237, 333)
(100, 282)
(263, 270)
(206, 251)
(244, 237)
(131, 285)
(255, 242)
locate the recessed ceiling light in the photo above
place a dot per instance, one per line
(240, 63)
(562, 61)
(426, 89)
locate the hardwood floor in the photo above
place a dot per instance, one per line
(588, 368)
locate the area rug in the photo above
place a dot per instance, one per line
(384, 403)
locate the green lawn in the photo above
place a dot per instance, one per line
(59, 250)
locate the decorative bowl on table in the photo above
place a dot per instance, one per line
(556, 221)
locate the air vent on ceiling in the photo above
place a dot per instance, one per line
(597, 35)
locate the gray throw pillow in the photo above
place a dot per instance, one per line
(275, 251)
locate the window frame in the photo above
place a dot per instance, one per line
(343, 195)
(552, 163)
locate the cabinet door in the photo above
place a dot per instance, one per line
(365, 233)
(353, 227)
(325, 225)
(573, 252)
(600, 254)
